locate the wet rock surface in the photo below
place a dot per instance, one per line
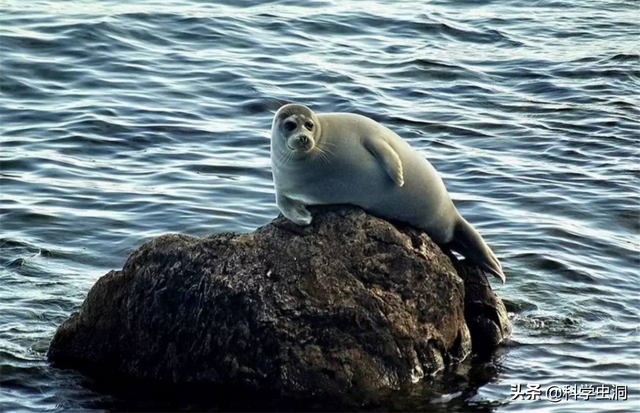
(348, 306)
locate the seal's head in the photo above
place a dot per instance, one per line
(296, 129)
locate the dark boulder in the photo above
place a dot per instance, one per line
(349, 305)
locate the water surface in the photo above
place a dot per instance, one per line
(121, 121)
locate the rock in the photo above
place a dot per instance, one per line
(484, 311)
(348, 306)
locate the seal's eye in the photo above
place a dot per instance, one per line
(289, 126)
(309, 125)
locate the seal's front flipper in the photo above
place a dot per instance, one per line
(468, 243)
(294, 210)
(388, 157)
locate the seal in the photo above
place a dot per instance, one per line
(344, 158)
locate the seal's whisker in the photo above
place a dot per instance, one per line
(315, 159)
(324, 153)
(281, 157)
(317, 155)
(285, 157)
(289, 157)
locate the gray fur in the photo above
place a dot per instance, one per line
(350, 159)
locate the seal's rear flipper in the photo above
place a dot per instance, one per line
(495, 272)
(468, 243)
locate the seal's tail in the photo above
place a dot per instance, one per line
(468, 243)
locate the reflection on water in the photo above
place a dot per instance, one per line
(123, 121)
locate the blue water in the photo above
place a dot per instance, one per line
(121, 121)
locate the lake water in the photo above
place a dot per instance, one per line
(121, 121)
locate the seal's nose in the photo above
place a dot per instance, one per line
(304, 139)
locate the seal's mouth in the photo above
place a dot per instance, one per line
(300, 143)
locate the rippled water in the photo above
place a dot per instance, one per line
(121, 121)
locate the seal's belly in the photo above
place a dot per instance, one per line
(366, 184)
(341, 184)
